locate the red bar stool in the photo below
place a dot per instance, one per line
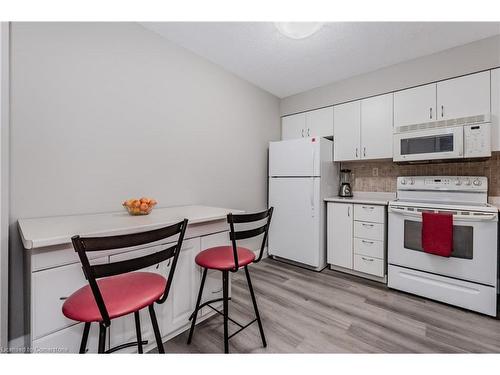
(230, 259)
(120, 291)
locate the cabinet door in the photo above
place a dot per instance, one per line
(415, 106)
(340, 231)
(495, 109)
(464, 96)
(185, 284)
(376, 127)
(346, 131)
(293, 126)
(319, 123)
(122, 329)
(68, 340)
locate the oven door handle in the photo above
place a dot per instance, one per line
(481, 217)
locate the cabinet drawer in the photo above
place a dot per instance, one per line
(369, 248)
(372, 266)
(371, 213)
(49, 290)
(369, 231)
(68, 340)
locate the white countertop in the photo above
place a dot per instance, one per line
(378, 198)
(58, 230)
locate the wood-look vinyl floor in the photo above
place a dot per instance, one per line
(331, 312)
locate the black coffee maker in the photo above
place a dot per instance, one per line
(345, 189)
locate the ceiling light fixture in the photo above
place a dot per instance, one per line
(298, 30)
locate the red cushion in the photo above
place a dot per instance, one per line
(222, 258)
(122, 295)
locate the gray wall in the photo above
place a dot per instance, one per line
(105, 111)
(480, 55)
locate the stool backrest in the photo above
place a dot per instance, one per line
(82, 245)
(249, 233)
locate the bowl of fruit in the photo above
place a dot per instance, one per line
(142, 206)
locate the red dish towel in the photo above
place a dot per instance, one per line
(437, 233)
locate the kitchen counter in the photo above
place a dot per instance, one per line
(58, 230)
(377, 198)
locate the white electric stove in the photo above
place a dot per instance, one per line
(468, 278)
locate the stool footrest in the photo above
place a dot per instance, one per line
(242, 328)
(127, 345)
(207, 304)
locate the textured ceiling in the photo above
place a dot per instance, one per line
(258, 53)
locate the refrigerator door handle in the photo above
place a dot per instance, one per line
(312, 197)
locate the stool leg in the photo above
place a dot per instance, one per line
(257, 315)
(102, 338)
(198, 302)
(225, 287)
(85, 336)
(138, 331)
(156, 330)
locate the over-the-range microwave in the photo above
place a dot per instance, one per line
(461, 138)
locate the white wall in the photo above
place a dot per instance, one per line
(105, 111)
(480, 55)
(4, 183)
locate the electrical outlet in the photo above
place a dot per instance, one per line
(375, 172)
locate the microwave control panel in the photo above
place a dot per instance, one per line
(477, 140)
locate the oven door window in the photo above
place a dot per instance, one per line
(427, 145)
(463, 237)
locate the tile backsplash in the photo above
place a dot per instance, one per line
(380, 175)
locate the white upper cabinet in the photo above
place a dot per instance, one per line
(293, 126)
(415, 106)
(347, 131)
(320, 122)
(376, 127)
(464, 96)
(495, 109)
(317, 123)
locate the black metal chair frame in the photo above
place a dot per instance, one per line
(82, 245)
(236, 236)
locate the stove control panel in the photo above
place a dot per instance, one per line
(454, 183)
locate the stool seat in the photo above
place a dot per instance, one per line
(222, 258)
(122, 295)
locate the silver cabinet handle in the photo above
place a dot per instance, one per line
(302, 132)
(63, 298)
(368, 242)
(367, 225)
(430, 113)
(367, 259)
(368, 207)
(308, 131)
(364, 151)
(356, 152)
(348, 210)
(442, 111)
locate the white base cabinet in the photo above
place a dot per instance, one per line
(51, 284)
(356, 239)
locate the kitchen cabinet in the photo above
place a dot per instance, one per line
(495, 109)
(346, 131)
(356, 239)
(339, 234)
(363, 129)
(415, 105)
(53, 272)
(377, 127)
(463, 96)
(316, 123)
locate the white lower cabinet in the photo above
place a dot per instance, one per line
(68, 340)
(357, 245)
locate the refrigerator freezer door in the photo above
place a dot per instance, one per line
(294, 233)
(297, 157)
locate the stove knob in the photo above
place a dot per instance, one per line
(458, 182)
(477, 182)
(403, 182)
(467, 182)
(412, 181)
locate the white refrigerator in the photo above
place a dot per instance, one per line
(301, 175)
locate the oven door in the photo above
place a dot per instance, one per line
(474, 256)
(444, 143)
